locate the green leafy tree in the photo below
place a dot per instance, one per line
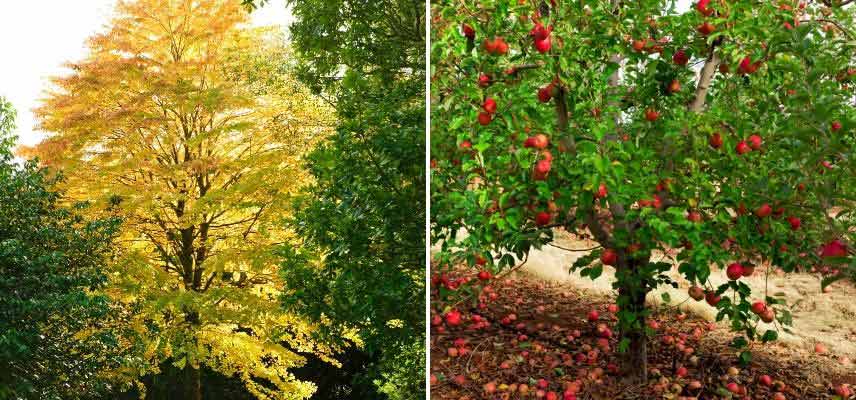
(50, 269)
(726, 131)
(361, 260)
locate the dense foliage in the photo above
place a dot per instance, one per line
(50, 267)
(184, 122)
(726, 131)
(361, 260)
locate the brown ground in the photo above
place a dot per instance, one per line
(550, 304)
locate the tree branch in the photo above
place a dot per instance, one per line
(829, 21)
(704, 80)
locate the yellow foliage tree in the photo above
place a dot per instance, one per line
(183, 121)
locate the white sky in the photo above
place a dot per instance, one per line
(39, 36)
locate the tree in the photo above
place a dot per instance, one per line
(183, 122)
(50, 260)
(361, 258)
(594, 117)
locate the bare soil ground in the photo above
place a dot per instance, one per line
(538, 355)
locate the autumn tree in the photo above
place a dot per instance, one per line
(724, 131)
(183, 122)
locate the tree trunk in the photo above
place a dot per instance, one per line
(192, 380)
(637, 354)
(632, 294)
(192, 383)
(704, 80)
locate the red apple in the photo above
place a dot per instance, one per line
(490, 45)
(609, 257)
(545, 94)
(742, 148)
(755, 142)
(542, 218)
(768, 315)
(715, 140)
(538, 141)
(765, 380)
(705, 29)
(747, 66)
(712, 298)
(834, 248)
(764, 211)
(542, 168)
(703, 6)
(651, 115)
(844, 391)
(501, 46)
(547, 155)
(468, 30)
(835, 126)
(733, 387)
(694, 216)
(675, 86)
(484, 118)
(734, 271)
(795, 222)
(539, 32)
(680, 58)
(593, 316)
(696, 293)
(544, 45)
(484, 80)
(759, 307)
(484, 275)
(489, 105)
(466, 145)
(453, 318)
(602, 191)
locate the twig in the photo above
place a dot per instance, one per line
(567, 249)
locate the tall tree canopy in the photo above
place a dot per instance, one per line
(361, 259)
(184, 122)
(49, 269)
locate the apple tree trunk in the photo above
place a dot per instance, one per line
(632, 292)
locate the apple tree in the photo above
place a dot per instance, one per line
(723, 130)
